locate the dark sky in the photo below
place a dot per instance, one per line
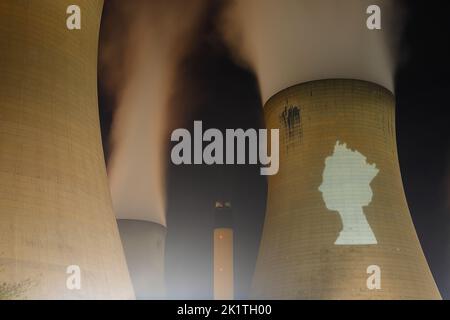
(423, 129)
(227, 97)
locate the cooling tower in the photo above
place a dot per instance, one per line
(336, 211)
(144, 245)
(55, 205)
(223, 253)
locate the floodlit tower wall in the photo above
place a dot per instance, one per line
(337, 205)
(55, 205)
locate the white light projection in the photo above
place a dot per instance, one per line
(346, 188)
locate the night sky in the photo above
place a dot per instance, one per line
(212, 88)
(423, 130)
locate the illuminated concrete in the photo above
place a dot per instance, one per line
(144, 245)
(55, 205)
(337, 205)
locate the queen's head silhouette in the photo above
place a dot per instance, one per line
(346, 189)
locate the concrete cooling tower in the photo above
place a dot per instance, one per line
(144, 246)
(336, 210)
(55, 205)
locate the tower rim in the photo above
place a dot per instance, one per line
(311, 82)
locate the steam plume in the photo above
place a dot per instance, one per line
(287, 42)
(140, 71)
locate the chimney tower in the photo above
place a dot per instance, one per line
(223, 252)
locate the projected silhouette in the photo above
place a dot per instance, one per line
(346, 188)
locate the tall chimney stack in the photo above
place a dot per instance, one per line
(223, 252)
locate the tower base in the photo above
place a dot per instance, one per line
(144, 246)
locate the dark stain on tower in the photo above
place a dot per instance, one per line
(290, 120)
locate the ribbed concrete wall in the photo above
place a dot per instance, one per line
(337, 204)
(144, 245)
(55, 206)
